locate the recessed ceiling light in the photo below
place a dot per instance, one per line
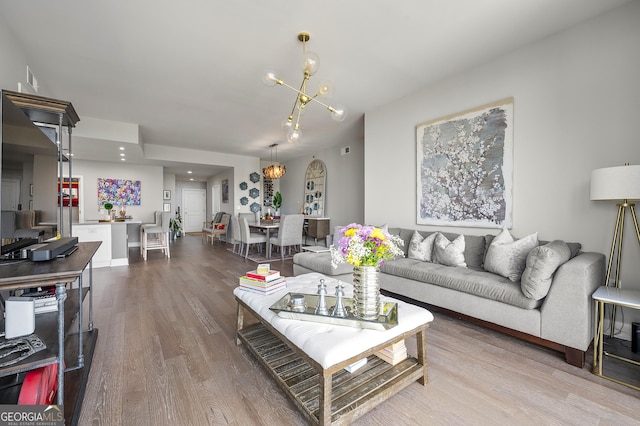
(122, 148)
(121, 155)
(189, 171)
(123, 159)
(191, 179)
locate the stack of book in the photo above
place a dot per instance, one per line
(394, 353)
(263, 282)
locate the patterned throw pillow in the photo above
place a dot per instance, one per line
(421, 248)
(450, 253)
(542, 263)
(507, 256)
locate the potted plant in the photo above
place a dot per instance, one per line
(108, 207)
(277, 202)
(175, 227)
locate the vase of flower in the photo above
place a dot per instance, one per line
(366, 248)
(366, 292)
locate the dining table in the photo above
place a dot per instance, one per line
(266, 226)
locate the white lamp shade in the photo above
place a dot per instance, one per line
(616, 183)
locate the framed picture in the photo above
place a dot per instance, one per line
(465, 167)
(30, 204)
(166, 207)
(31, 189)
(225, 191)
(166, 194)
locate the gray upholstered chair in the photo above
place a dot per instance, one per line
(156, 237)
(221, 228)
(157, 221)
(289, 233)
(249, 237)
(236, 237)
(208, 227)
(251, 217)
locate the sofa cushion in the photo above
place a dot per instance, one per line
(542, 263)
(507, 256)
(321, 262)
(480, 283)
(450, 253)
(421, 248)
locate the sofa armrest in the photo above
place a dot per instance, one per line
(567, 311)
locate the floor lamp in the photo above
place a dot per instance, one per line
(622, 185)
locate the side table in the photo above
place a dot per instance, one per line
(616, 297)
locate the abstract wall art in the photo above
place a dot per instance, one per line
(119, 192)
(465, 168)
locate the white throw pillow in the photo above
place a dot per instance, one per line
(542, 263)
(450, 253)
(507, 256)
(421, 248)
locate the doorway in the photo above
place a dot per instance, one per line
(215, 200)
(10, 194)
(193, 204)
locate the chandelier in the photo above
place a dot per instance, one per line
(310, 64)
(275, 170)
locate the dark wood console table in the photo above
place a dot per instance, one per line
(51, 326)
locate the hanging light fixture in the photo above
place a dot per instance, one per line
(275, 170)
(310, 64)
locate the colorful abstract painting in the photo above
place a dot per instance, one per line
(119, 192)
(464, 168)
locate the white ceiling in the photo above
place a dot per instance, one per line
(189, 72)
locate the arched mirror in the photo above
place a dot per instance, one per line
(314, 189)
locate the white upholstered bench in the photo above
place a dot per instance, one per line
(307, 359)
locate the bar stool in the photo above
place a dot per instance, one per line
(156, 237)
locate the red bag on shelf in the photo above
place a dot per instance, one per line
(39, 386)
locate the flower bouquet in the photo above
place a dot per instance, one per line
(366, 248)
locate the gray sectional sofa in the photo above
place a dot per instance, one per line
(560, 316)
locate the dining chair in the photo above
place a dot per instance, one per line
(249, 237)
(236, 238)
(289, 233)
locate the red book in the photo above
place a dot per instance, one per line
(270, 276)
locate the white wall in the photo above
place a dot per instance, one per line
(576, 104)
(150, 177)
(345, 183)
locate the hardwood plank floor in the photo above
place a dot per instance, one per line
(166, 355)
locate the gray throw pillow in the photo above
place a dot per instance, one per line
(421, 248)
(507, 256)
(542, 263)
(450, 253)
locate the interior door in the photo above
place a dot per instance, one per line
(10, 194)
(193, 205)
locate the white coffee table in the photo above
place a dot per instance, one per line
(307, 359)
(316, 249)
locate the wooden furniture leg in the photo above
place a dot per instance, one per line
(239, 323)
(421, 342)
(324, 405)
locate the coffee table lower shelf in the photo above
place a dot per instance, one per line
(352, 394)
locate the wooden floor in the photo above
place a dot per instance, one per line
(166, 355)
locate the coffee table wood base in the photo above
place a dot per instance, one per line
(331, 396)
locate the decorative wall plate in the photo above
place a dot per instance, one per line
(254, 193)
(243, 185)
(254, 177)
(255, 207)
(244, 201)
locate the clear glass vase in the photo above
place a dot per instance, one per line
(366, 292)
